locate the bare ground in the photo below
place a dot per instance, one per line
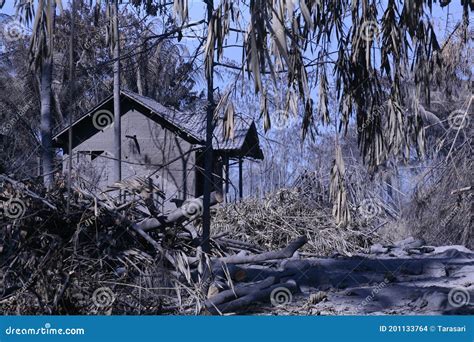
(390, 280)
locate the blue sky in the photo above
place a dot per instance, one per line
(449, 15)
(443, 19)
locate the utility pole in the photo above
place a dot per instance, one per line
(117, 121)
(208, 153)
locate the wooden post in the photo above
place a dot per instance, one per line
(226, 168)
(241, 187)
(208, 153)
(72, 73)
(117, 121)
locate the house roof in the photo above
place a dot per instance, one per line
(191, 126)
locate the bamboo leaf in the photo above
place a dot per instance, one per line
(180, 8)
(229, 124)
(306, 13)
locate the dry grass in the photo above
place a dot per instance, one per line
(441, 211)
(286, 214)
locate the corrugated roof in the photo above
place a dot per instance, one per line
(192, 124)
(195, 123)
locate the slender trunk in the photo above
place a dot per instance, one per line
(117, 121)
(139, 80)
(46, 125)
(206, 215)
(72, 75)
(241, 184)
(139, 70)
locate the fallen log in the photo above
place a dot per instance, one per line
(284, 253)
(190, 210)
(238, 291)
(278, 294)
(254, 273)
(239, 245)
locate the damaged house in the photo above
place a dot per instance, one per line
(159, 144)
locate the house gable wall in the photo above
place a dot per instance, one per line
(153, 146)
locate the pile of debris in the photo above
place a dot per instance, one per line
(74, 252)
(282, 216)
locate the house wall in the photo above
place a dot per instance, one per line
(156, 146)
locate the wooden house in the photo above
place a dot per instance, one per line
(160, 144)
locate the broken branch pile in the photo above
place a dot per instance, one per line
(98, 255)
(282, 216)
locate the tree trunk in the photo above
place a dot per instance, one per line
(140, 60)
(46, 125)
(179, 214)
(284, 253)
